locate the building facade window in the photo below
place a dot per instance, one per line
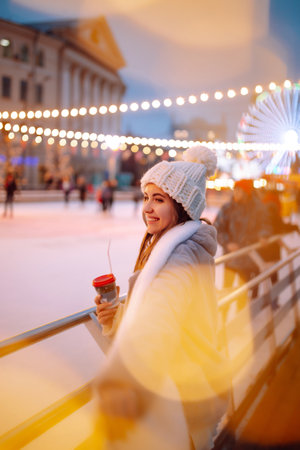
(6, 87)
(23, 90)
(40, 58)
(24, 53)
(6, 45)
(39, 92)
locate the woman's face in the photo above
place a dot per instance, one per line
(158, 210)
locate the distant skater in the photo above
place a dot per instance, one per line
(106, 194)
(66, 187)
(82, 188)
(10, 187)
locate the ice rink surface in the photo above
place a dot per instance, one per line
(51, 253)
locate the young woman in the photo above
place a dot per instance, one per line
(165, 369)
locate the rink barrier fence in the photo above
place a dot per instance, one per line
(35, 335)
(35, 426)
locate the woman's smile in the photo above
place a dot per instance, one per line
(151, 219)
(158, 210)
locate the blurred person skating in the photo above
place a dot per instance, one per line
(271, 253)
(107, 194)
(240, 222)
(10, 187)
(82, 188)
(288, 200)
(66, 187)
(164, 385)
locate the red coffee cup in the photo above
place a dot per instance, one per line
(105, 285)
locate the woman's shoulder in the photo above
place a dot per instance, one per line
(199, 248)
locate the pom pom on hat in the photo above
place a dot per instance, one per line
(185, 181)
(202, 155)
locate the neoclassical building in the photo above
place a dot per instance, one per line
(58, 65)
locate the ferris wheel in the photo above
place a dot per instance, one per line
(274, 119)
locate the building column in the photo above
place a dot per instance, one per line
(75, 86)
(75, 95)
(96, 119)
(106, 100)
(65, 93)
(115, 118)
(86, 99)
(101, 102)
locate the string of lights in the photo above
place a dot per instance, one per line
(115, 143)
(144, 105)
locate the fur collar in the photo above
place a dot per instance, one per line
(158, 258)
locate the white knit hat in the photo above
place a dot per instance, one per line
(185, 181)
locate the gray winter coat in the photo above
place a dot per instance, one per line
(174, 336)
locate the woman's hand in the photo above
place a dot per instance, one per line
(119, 409)
(119, 401)
(104, 312)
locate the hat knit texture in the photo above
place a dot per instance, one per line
(185, 181)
